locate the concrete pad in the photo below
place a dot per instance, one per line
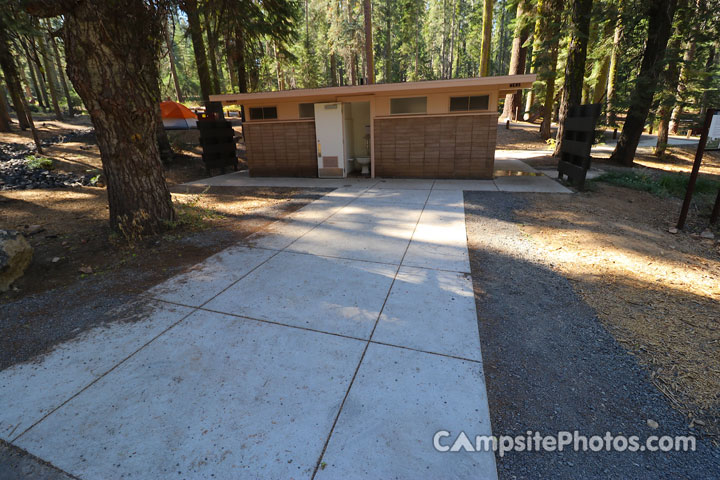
(210, 277)
(399, 400)
(280, 234)
(319, 210)
(432, 311)
(439, 247)
(242, 179)
(216, 396)
(446, 198)
(33, 389)
(474, 185)
(372, 242)
(361, 211)
(327, 294)
(514, 164)
(443, 216)
(540, 184)
(404, 183)
(395, 196)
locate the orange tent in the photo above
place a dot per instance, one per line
(177, 116)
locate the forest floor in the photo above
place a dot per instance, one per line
(77, 257)
(656, 292)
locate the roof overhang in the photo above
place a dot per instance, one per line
(502, 84)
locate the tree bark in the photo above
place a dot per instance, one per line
(486, 37)
(575, 66)
(667, 99)
(51, 77)
(35, 62)
(660, 14)
(229, 48)
(513, 101)
(367, 11)
(190, 8)
(212, 52)
(388, 41)
(548, 46)
(603, 69)
(5, 119)
(682, 87)
(240, 61)
(610, 114)
(61, 72)
(333, 70)
(12, 80)
(173, 70)
(111, 51)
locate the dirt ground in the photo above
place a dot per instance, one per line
(68, 227)
(657, 293)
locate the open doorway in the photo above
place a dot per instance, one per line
(356, 133)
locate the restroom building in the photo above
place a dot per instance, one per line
(430, 129)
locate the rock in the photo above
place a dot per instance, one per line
(673, 230)
(85, 269)
(707, 234)
(33, 229)
(652, 424)
(15, 256)
(55, 259)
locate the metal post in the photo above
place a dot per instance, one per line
(696, 168)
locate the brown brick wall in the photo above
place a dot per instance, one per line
(461, 146)
(284, 149)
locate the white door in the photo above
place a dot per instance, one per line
(330, 140)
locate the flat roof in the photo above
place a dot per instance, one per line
(504, 82)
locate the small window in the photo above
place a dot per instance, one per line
(263, 113)
(464, 104)
(307, 110)
(408, 105)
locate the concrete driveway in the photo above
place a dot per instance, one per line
(333, 344)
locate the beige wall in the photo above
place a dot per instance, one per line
(438, 103)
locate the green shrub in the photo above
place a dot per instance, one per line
(663, 185)
(37, 162)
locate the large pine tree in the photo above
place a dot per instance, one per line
(660, 14)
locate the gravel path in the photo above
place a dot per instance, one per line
(551, 366)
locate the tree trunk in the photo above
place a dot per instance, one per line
(35, 78)
(212, 52)
(661, 14)
(5, 119)
(333, 70)
(682, 87)
(51, 77)
(36, 63)
(61, 72)
(190, 9)
(388, 41)
(7, 64)
(610, 115)
(575, 66)
(367, 11)
(513, 101)
(547, 56)
(667, 98)
(603, 68)
(229, 48)
(240, 61)
(112, 50)
(173, 70)
(486, 37)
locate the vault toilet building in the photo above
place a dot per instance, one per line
(431, 129)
